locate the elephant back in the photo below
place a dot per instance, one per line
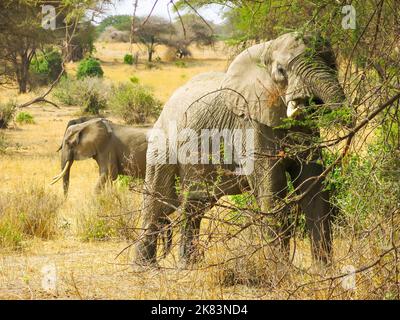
(199, 90)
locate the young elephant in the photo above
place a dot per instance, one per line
(117, 149)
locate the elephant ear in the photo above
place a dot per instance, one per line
(88, 138)
(249, 89)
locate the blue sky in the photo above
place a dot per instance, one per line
(212, 12)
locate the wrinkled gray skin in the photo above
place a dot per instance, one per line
(117, 149)
(263, 85)
(75, 121)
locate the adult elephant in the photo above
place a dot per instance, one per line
(263, 85)
(117, 149)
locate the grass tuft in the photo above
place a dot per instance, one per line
(109, 215)
(30, 212)
(25, 118)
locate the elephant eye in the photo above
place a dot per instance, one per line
(281, 70)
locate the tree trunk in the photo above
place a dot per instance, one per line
(151, 50)
(23, 73)
(132, 33)
(22, 84)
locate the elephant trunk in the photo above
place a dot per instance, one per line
(65, 163)
(321, 79)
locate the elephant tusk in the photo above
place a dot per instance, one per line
(292, 109)
(62, 174)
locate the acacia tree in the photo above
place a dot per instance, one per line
(80, 43)
(21, 34)
(152, 32)
(194, 30)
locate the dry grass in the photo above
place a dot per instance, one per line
(112, 214)
(91, 269)
(30, 211)
(163, 79)
(84, 269)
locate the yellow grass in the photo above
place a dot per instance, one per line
(163, 79)
(91, 270)
(85, 270)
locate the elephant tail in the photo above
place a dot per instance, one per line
(166, 235)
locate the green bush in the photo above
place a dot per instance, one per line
(124, 181)
(365, 187)
(89, 67)
(24, 118)
(134, 80)
(241, 202)
(7, 111)
(180, 64)
(128, 59)
(134, 103)
(46, 67)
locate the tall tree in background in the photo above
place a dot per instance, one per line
(196, 32)
(152, 32)
(132, 31)
(21, 34)
(80, 43)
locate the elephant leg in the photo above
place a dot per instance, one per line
(317, 208)
(159, 201)
(106, 174)
(190, 231)
(270, 185)
(101, 182)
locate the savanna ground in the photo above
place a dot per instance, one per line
(87, 269)
(93, 269)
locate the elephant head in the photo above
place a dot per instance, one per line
(276, 79)
(82, 141)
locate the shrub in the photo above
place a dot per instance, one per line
(90, 94)
(93, 96)
(29, 212)
(128, 59)
(7, 111)
(365, 186)
(134, 103)
(241, 202)
(89, 67)
(134, 80)
(109, 216)
(180, 64)
(68, 91)
(46, 67)
(124, 181)
(24, 118)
